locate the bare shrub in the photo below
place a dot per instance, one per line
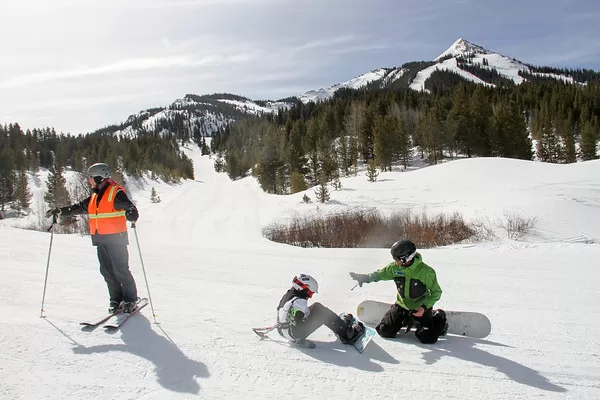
(427, 231)
(517, 226)
(368, 228)
(483, 231)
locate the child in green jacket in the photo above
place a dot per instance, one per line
(418, 290)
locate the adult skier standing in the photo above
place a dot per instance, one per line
(418, 290)
(109, 209)
(297, 320)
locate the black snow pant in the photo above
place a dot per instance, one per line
(114, 267)
(430, 326)
(319, 315)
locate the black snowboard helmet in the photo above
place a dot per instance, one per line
(403, 251)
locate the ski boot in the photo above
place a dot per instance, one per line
(114, 306)
(129, 307)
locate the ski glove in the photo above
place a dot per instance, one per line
(360, 278)
(132, 214)
(53, 212)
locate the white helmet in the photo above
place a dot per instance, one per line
(99, 169)
(306, 282)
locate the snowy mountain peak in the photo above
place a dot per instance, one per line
(354, 83)
(462, 46)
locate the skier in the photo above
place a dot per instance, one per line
(418, 290)
(296, 320)
(109, 209)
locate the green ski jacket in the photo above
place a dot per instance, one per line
(417, 285)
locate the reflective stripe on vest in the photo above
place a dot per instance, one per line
(104, 219)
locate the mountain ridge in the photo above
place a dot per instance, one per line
(205, 114)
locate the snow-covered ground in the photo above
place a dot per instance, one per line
(213, 277)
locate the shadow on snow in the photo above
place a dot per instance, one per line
(343, 355)
(464, 348)
(174, 370)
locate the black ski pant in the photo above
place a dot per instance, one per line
(429, 327)
(319, 315)
(114, 267)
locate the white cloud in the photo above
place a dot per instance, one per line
(65, 50)
(129, 65)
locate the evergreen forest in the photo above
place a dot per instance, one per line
(314, 144)
(311, 144)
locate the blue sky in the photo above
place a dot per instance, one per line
(79, 65)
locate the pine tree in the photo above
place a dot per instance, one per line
(430, 131)
(7, 178)
(116, 168)
(352, 128)
(56, 194)
(481, 113)
(548, 146)
(204, 149)
(372, 171)
(385, 133)
(310, 144)
(589, 140)
(154, 198)
(297, 182)
(322, 192)
(295, 158)
(366, 135)
(459, 122)
(401, 151)
(566, 132)
(511, 139)
(22, 193)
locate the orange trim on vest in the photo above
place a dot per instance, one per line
(104, 219)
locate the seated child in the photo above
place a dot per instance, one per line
(297, 320)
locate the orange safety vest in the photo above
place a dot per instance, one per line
(104, 219)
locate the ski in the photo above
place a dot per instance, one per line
(117, 320)
(95, 323)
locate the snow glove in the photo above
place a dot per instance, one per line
(53, 212)
(132, 214)
(360, 278)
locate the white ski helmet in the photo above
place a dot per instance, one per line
(305, 282)
(99, 169)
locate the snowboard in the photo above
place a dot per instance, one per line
(463, 323)
(365, 338)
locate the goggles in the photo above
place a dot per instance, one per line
(405, 259)
(304, 287)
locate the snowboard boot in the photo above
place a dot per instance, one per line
(440, 322)
(114, 306)
(351, 330)
(129, 307)
(438, 327)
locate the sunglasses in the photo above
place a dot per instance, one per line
(95, 180)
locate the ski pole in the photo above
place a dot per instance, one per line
(54, 219)
(144, 270)
(262, 332)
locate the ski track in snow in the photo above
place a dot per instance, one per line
(213, 277)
